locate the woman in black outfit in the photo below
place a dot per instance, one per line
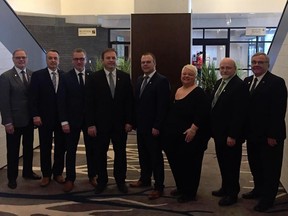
(186, 135)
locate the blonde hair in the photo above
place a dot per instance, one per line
(191, 68)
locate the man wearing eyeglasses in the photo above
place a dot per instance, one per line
(266, 131)
(16, 118)
(71, 104)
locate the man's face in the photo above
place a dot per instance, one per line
(259, 65)
(147, 64)
(227, 68)
(52, 59)
(20, 59)
(109, 61)
(79, 61)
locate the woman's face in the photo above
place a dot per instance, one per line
(188, 77)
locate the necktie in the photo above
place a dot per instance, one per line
(144, 83)
(253, 85)
(24, 79)
(111, 83)
(54, 80)
(218, 92)
(81, 81)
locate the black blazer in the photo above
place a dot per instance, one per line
(71, 99)
(103, 111)
(229, 113)
(151, 108)
(43, 98)
(267, 108)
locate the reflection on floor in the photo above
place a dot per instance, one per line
(30, 199)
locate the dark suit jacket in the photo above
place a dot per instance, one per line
(152, 106)
(103, 111)
(71, 99)
(43, 98)
(267, 108)
(229, 112)
(14, 99)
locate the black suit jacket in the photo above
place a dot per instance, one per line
(267, 108)
(229, 113)
(43, 98)
(103, 111)
(151, 108)
(71, 99)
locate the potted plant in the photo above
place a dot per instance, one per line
(207, 78)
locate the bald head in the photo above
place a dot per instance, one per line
(227, 68)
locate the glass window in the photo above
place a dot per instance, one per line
(120, 35)
(216, 33)
(197, 33)
(240, 35)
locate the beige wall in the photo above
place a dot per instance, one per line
(280, 68)
(117, 7)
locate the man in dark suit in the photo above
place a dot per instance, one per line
(266, 131)
(16, 118)
(109, 117)
(43, 104)
(71, 105)
(229, 107)
(151, 101)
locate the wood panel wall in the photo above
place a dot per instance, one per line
(168, 36)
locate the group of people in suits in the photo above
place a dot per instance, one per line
(104, 107)
(252, 110)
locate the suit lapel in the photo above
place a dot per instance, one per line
(17, 78)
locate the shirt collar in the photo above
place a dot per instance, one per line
(51, 71)
(150, 75)
(108, 72)
(77, 72)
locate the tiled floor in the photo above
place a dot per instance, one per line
(30, 199)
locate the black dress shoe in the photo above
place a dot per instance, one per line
(262, 207)
(250, 195)
(185, 198)
(227, 200)
(219, 193)
(12, 184)
(32, 176)
(99, 189)
(175, 192)
(123, 188)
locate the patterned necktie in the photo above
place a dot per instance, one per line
(144, 83)
(218, 92)
(111, 84)
(24, 79)
(54, 80)
(253, 85)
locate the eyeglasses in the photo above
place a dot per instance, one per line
(259, 62)
(20, 57)
(79, 59)
(146, 62)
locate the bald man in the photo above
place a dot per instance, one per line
(228, 112)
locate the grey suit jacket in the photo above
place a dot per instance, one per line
(14, 99)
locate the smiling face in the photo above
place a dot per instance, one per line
(52, 59)
(227, 68)
(148, 64)
(260, 64)
(20, 59)
(188, 76)
(109, 60)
